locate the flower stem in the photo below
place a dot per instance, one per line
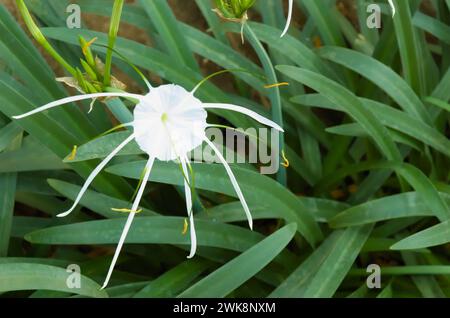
(40, 38)
(113, 30)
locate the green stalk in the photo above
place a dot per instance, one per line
(113, 30)
(274, 94)
(39, 37)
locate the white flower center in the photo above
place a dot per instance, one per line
(169, 122)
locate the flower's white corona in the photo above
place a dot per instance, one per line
(169, 122)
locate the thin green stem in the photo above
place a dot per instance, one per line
(40, 38)
(274, 95)
(113, 30)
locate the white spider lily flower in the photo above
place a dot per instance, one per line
(289, 18)
(169, 122)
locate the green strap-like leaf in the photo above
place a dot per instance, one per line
(25, 276)
(237, 271)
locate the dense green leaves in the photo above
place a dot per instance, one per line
(233, 274)
(363, 173)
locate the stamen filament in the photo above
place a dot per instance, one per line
(127, 226)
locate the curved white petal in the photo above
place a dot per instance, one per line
(391, 3)
(127, 226)
(245, 111)
(233, 181)
(188, 194)
(289, 18)
(95, 173)
(75, 99)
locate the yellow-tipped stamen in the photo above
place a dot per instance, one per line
(125, 210)
(185, 227)
(276, 85)
(73, 153)
(285, 159)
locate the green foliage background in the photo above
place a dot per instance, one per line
(367, 123)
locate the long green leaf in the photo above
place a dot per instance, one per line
(233, 274)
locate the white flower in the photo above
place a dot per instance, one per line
(169, 122)
(289, 17)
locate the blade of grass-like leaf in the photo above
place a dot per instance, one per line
(8, 182)
(406, 270)
(94, 201)
(212, 177)
(355, 130)
(432, 26)
(357, 41)
(102, 146)
(334, 269)
(8, 134)
(311, 152)
(295, 50)
(35, 260)
(322, 210)
(23, 276)
(428, 286)
(213, 20)
(165, 22)
(22, 225)
(395, 206)
(414, 176)
(387, 291)
(43, 203)
(325, 21)
(125, 290)
(382, 76)
(36, 182)
(34, 72)
(347, 100)
(371, 35)
(389, 117)
(407, 40)
(439, 103)
(323, 271)
(233, 274)
(131, 14)
(154, 229)
(172, 282)
(274, 94)
(31, 157)
(436, 235)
